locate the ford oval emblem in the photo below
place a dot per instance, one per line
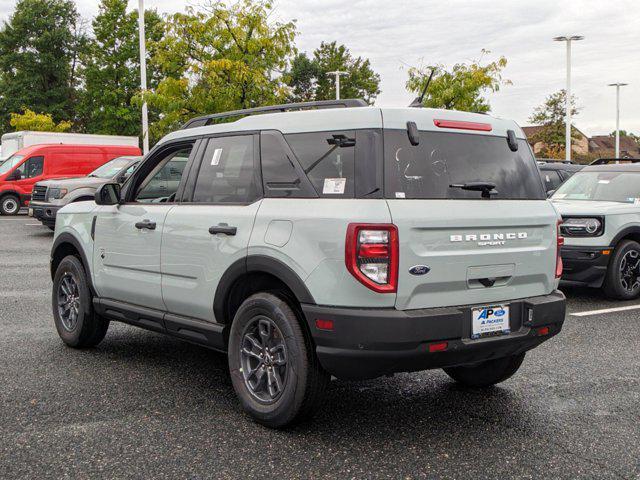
(419, 270)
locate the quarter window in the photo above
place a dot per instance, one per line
(227, 172)
(327, 159)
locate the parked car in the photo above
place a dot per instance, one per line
(20, 172)
(49, 196)
(554, 173)
(355, 242)
(14, 141)
(600, 207)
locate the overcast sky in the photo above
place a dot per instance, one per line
(395, 35)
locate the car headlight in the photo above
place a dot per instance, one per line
(582, 227)
(56, 193)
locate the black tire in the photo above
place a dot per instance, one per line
(9, 205)
(87, 329)
(616, 281)
(303, 381)
(486, 373)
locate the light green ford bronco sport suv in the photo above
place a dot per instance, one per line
(320, 239)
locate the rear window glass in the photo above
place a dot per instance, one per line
(428, 170)
(327, 158)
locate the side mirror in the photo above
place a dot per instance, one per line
(108, 194)
(550, 192)
(15, 175)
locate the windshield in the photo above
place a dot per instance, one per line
(111, 168)
(441, 160)
(601, 186)
(9, 163)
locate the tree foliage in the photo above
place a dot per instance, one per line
(39, 47)
(224, 57)
(460, 88)
(37, 122)
(308, 78)
(551, 117)
(111, 70)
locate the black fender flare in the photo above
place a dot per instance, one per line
(633, 230)
(66, 237)
(258, 264)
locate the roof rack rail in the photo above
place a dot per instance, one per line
(554, 160)
(320, 104)
(607, 161)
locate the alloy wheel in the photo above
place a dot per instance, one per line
(68, 302)
(630, 270)
(263, 357)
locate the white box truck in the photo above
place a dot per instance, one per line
(14, 141)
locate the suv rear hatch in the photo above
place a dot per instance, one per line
(459, 246)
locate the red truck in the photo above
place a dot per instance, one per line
(24, 168)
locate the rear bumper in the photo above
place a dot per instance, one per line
(368, 343)
(584, 266)
(45, 212)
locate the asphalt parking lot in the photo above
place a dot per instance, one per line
(147, 406)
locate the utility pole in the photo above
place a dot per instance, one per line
(618, 85)
(568, 39)
(337, 74)
(143, 78)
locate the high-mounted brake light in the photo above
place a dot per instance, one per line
(371, 255)
(457, 124)
(559, 243)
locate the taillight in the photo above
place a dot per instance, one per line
(371, 255)
(559, 243)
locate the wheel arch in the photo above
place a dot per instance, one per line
(628, 233)
(250, 275)
(66, 244)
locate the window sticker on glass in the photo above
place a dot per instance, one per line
(215, 160)
(400, 195)
(604, 182)
(334, 186)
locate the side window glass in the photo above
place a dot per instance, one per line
(162, 183)
(279, 174)
(127, 173)
(327, 158)
(227, 172)
(33, 167)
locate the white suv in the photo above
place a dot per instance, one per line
(323, 239)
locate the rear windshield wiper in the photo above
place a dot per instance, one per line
(487, 188)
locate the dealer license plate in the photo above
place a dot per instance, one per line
(489, 320)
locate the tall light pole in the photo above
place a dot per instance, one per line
(618, 85)
(337, 74)
(568, 39)
(143, 78)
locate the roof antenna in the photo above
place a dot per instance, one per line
(417, 103)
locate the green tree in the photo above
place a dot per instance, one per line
(37, 122)
(39, 47)
(551, 117)
(220, 58)
(308, 78)
(624, 133)
(460, 88)
(111, 70)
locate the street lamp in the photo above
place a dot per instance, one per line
(143, 78)
(617, 85)
(337, 74)
(568, 39)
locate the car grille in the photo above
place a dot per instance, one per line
(39, 193)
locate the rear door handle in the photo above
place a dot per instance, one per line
(148, 224)
(223, 228)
